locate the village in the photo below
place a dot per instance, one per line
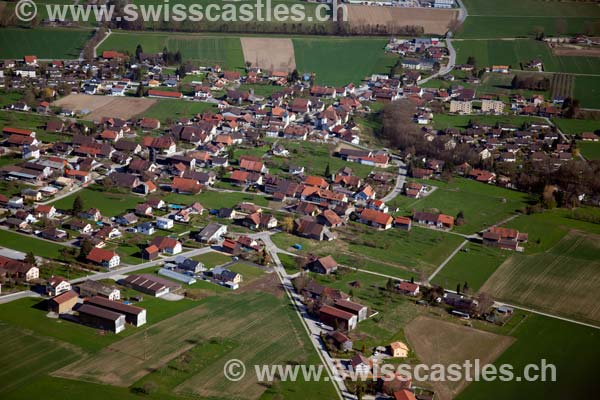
(160, 215)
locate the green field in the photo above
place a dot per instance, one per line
(516, 18)
(577, 126)
(174, 109)
(339, 61)
(482, 204)
(27, 244)
(205, 49)
(30, 357)
(517, 52)
(537, 338)
(587, 90)
(443, 121)
(214, 199)
(44, 43)
(474, 267)
(213, 259)
(590, 150)
(110, 204)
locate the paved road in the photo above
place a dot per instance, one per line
(447, 260)
(309, 324)
(132, 268)
(16, 296)
(400, 179)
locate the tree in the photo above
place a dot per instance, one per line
(84, 250)
(465, 287)
(138, 52)
(287, 224)
(30, 259)
(295, 76)
(389, 286)
(458, 288)
(77, 205)
(327, 171)
(471, 61)
(140, 91)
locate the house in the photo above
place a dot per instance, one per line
(143, 210)
(360, 364)
(54, 234)
(399, 349)
(409, 288)
(146, 228)
(404, 394)
(127, 219)
(45, 211)
(81, 226)
(337, 318)
(164, 223)
(167, 245)
(63, 303)
(105, 258)
(136, 316)
(91, 288)
(226, 275)
(185, 186)
(18, 270)
(376, 218)
(57, 285)
(359, 310)
(100, 318)
(212, 233)
(322, 265)
(308, 227)
(187, 264)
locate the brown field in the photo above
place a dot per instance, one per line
(576, 51)
(257, 324)
(105, 106)
(270, 54)
(564, 280)
(434, 21)
(435, 341)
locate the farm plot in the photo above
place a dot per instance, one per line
(258, 327)
(518, 52)
(105, 106)
(561, 85)
(109, 204)
(44, 43)
(205, 49)
(432, 20)
(587, 90)
(272, 54)
(338, 61)
(514, 18)
(442, 342)
(590, 150)
(562, 280)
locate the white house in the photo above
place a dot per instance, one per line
(164, 223)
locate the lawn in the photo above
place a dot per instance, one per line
(44, 43)
(212, 199)
(205, 49)
(339, 61)
(482, 204)
(165, 110)
(109, 203)
(590, 150)
(516, 52)
(575, 358)
(26, 244)
(213, 259)
(474, 266)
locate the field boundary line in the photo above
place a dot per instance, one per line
(447, 260)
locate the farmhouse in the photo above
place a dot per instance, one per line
(133, 315)
(376, 218)
(504, 238)
(360, 364)
(399, 349)
(353, 308)
(339, 340)
(411, 289)
(166, 245)
(441, 221)
(57, 285)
